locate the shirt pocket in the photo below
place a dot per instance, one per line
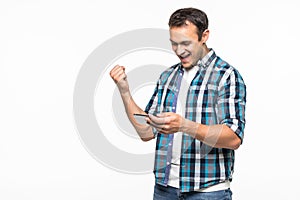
(196, 93)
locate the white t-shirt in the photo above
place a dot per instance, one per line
(187, 78)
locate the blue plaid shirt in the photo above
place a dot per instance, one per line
(217, 95)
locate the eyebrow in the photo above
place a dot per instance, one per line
(185, 41)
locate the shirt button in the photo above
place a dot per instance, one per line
(168, 163)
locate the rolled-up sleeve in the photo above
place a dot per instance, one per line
(232, 103)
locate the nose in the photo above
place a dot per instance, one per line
(179, 50)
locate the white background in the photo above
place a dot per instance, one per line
(43, 45)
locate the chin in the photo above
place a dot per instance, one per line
(187, 65)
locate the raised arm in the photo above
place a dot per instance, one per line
(120, 78)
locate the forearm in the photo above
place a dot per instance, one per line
(144, 130)
(219, 136)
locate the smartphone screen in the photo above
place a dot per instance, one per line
(140, 118)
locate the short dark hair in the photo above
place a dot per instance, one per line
(193, 15)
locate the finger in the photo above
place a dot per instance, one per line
(118, 75)
(116, 70)
(159, 120)
(161, 128)
(162, 131)
(152, 123)
(157, 126)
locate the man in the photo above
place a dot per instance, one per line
(196, 114)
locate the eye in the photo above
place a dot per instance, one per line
(174, 44)
(186, 43)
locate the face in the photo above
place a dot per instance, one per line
(186, 45)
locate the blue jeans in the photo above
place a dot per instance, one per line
(171, 193)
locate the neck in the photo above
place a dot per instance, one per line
(205, 51)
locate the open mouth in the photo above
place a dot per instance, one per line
(184, 58)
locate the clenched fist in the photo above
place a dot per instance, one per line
(120, 78)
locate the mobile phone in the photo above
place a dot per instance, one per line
(140, 118)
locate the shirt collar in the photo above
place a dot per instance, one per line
(207, 59)
(204, 62)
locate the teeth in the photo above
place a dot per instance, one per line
(184, 56)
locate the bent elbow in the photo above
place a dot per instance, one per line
(146, 139)
(236, 144)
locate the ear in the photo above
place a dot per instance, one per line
(205, 36)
